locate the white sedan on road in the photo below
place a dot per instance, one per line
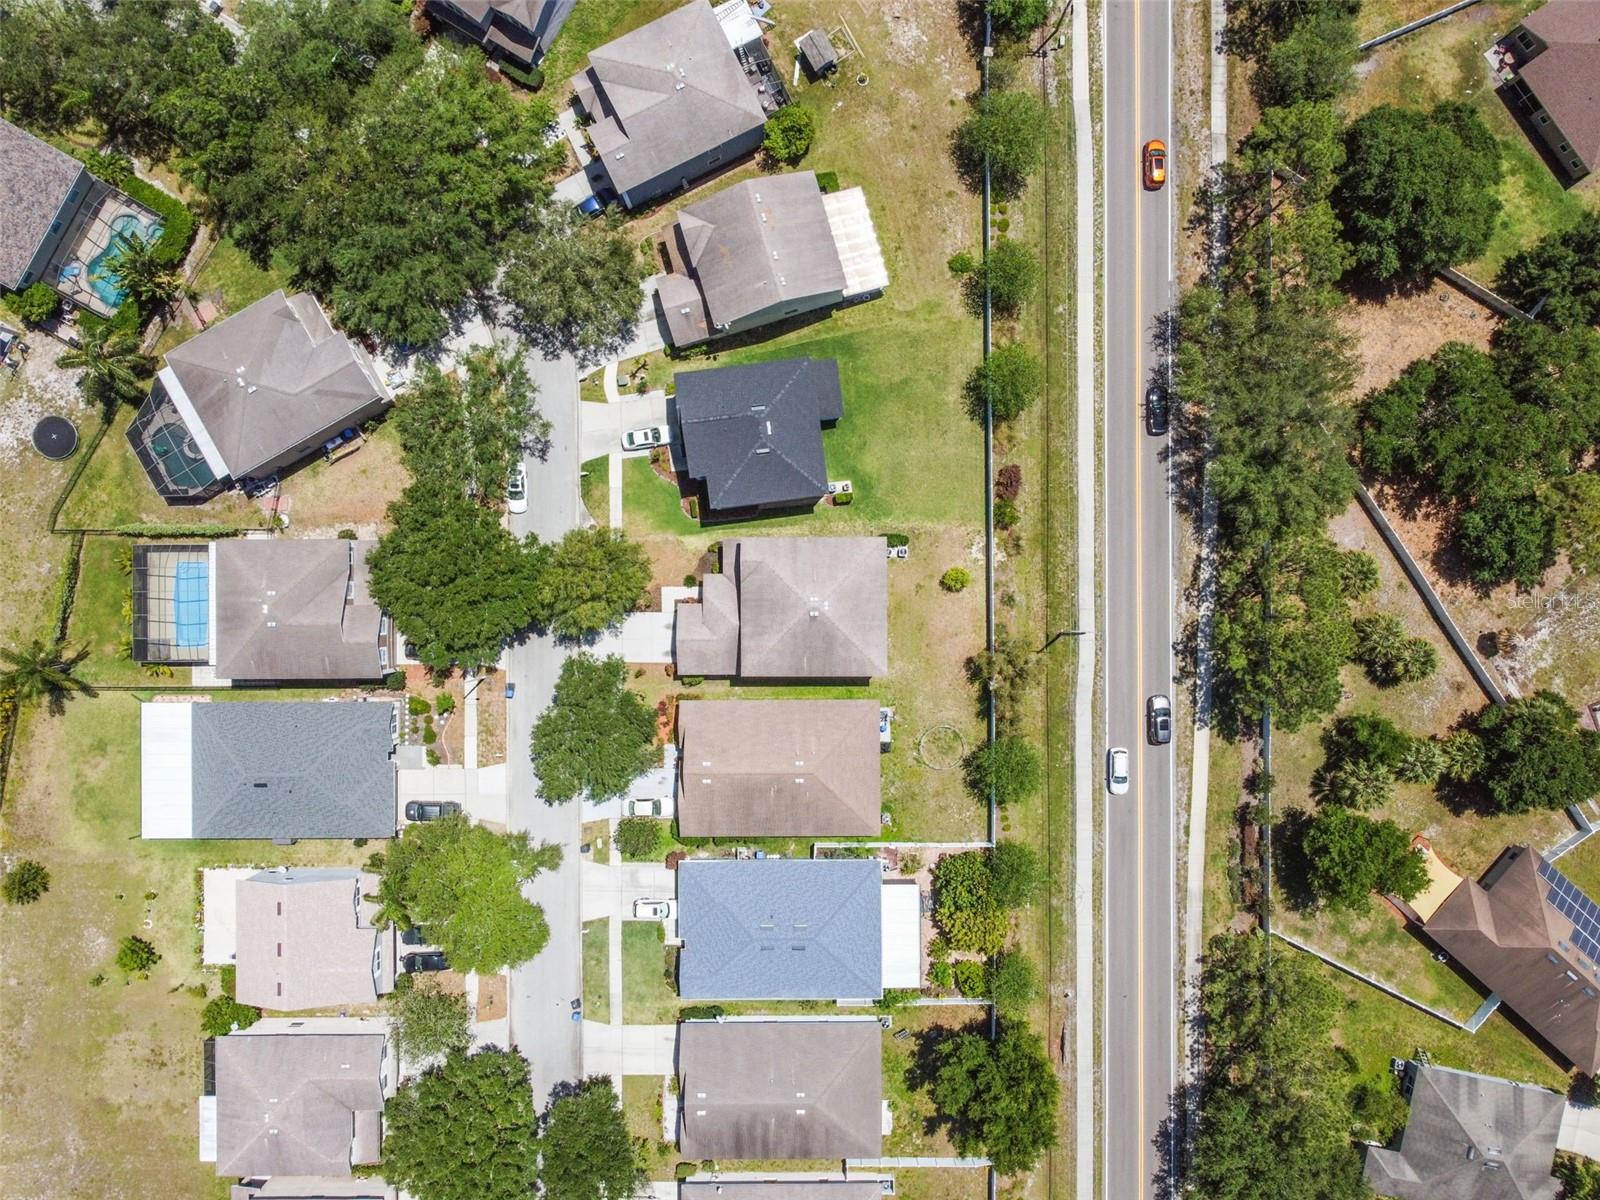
(1117, 771)
(517, 490)
(644, 439)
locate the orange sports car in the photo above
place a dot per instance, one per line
(1155, 164)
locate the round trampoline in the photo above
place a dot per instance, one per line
(55, 437)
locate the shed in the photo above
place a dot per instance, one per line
(817, 52)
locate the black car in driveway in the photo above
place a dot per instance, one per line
(415, 936)
(427, 810)
(426, 960)
(1157, 409)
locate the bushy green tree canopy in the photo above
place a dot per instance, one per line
(790, 132)
(25, 883)
(1000, 1096)
(587, 1151)
(573, 284)
(464, 1130)
(1314, 60)
(1010, 379)
(591, 579)
(427, 1021)
(597, 736)
(463, 883)
(1009, 127)
(1350, 856)
(1010, 766)
(1559, 275)
(1535, 754)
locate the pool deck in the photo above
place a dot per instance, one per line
(88, 237)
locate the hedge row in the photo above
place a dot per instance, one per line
(178, 223)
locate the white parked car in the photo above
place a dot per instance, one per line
(1117, 771)
(517, 489)
(644, 439)
(644, 808)
(652, 910)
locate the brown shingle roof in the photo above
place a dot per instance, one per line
(779, 768)
(1566, 76)
(35, 178)
(1512, 939)
(781, 1089)
(306, 939)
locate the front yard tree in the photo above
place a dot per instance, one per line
(1001, 1096)
(1389, 655)
(1008, 128)
(456, 582)
(1011, 981)
(135, 956)
(591, 579)
(1349, 856)
(1315, 61)
(1417, 190)
(464, 1130)
(1010, 379)
(790, 132)
(43, 671)
(1536, 755)
(1559, 275)
(1017, 875)
(26, 882)
(1010, 766)
(1019, 17)
(638, 837)
(463, 883)
(587, 1151)
(597, 736)
(428, 1021)
(1009, 273)
(573, 284)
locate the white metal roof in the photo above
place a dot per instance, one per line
(207, 1116)
(166, 770)
(857, 242)
(738, 23)
(902, 934)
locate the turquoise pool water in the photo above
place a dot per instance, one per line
(102, 279)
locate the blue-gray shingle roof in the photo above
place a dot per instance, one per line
(780, 929)
(293, 769)
(753, 433)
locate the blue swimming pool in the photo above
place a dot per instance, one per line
(191, 603)
(102, 279)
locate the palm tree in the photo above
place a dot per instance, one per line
(43, 672)
(140, 273)
(113, 365)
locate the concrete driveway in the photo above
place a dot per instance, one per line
(601, 426)
(618, 1050)
(609, 889)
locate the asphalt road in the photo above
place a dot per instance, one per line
(542, 990)
(1141, 934)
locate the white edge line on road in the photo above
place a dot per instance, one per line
(1083, 759)
(1175, 1071)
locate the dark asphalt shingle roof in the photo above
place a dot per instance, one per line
(299, 769)
(753, 433)
(35, 178)
(780, 929)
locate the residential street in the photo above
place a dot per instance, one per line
(542, 990)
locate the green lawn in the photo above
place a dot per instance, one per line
(598, 835)
(114, 491)
(596, 484)
(596, 971)
(914, 1108)
(647, 998)
(77, 1050)
(230, 276)
(642, 1107)
(100, 617)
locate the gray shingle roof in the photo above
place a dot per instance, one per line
(664, 94)
(305, 938)
(779, 768)
(35, 178)
(301, 1103)
(780, 929)
(269, 377)
(757, 243)
(1470, 1137)
(298, 769)
(780, 1089)
(286, 610)
(753, 432)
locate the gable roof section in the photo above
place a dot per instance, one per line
(35, 178)
(295, 608)
(779, 768)
(664, 94)
(298, 769)
(1566, 75)
(266, 379)
(812, 608)
(761, 242)
(305, 939)
(1470, 1137)
(300, 1103)
(781, 1089)
(705, 636)
(753, 433)
(780, 929)
(1514, 932)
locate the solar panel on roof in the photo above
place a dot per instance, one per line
(1567, 899)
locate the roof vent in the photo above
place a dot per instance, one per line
(774, 256)
(813, 614)
(758, 197)
(678, 87)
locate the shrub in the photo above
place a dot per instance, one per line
(1016, 875)
(444, 703)
(1388, 656)
(416, 705)
(970, 977)
(685, 1170)
(223, 1014)
(691, 580)
(1008, 482)
(1008, 381)
(1366, 737)
(942, 975)
(1010, 273)
(26, 882)
(962, 262)
(1536, 755)
(1012, 982)
(532, 78)
(135, 956)
(1006, 514)
(1010, 766)
(1353, 783)
(701, 1012)
(348, 535)
(1423, 761)
(840, 499)
(691, 681)
(955, 579)
(897, 998)
(827, 181)
(430, 735)
(37, 303)
(790, 132)
(897, 539)
(638, 837)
